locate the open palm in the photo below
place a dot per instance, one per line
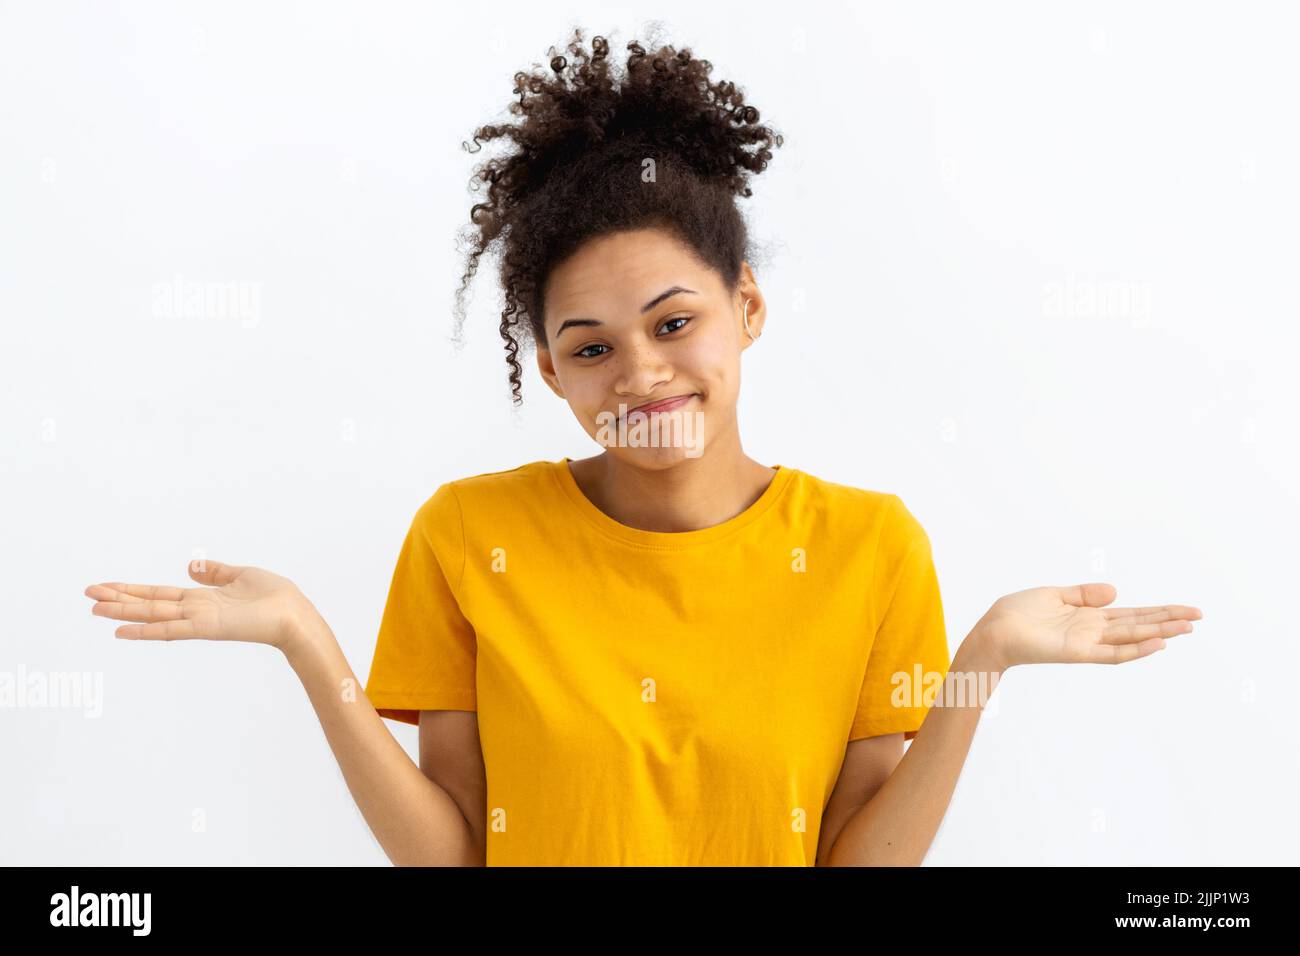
(1071, 625)
(243, 604)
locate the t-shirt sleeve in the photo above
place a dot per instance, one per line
(910, 633)
(425, 655)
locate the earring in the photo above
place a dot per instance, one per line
(752, 336)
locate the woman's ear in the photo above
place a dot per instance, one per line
(547, 368)
(756, 310)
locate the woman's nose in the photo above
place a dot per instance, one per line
(643, 368)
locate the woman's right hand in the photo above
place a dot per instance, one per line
(244, 604)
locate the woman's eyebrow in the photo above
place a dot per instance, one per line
(667, 293)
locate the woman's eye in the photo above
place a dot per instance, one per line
(666, 327)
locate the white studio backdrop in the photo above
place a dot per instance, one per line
(1031, 267)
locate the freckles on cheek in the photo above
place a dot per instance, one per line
(585, 397)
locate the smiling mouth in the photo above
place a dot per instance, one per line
(663, 405)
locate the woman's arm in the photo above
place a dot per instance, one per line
(415, 821)
(1056, 625)
(897, 825)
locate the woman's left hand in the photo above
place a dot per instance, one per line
(1072, 625)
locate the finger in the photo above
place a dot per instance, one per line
(1088, 595)
(214, 572)
(109, 592)
(1122, 653)
(138, 610)
(1128, 633)
(1146, 615)
(126, 593)
(157, 631)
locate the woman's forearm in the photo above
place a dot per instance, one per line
(898, 824)
(415, 821)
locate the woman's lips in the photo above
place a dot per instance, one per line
(667, 405)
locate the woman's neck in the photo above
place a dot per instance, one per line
(686, 495)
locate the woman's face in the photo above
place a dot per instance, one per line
(634, 317)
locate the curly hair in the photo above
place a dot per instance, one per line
(661, 146)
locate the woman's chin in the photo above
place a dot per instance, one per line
(657, 458)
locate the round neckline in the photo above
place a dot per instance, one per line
(667, 540)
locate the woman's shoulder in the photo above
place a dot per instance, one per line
(860, 497)
(517, 487)
(528, 473)
(862, 505)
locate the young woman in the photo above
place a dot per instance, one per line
(669, 653)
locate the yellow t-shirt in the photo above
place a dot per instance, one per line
(651, 698)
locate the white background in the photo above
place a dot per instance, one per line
(1031, 267)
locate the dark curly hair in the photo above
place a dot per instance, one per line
(580, 168)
